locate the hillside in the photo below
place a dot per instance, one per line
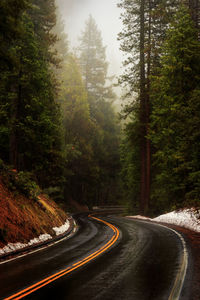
(23, 219)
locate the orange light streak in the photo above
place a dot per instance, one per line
(68, 270)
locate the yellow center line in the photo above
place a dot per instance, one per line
(68, 270)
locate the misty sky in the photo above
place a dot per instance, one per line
(106, 13)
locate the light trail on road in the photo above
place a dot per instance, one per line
(109, 257)
(32, 288)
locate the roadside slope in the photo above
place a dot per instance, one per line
(23, 219)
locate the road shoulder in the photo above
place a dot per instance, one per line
(29, 249)
(193, 241)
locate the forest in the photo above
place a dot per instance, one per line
(59, 128)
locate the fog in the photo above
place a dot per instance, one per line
(107, 16)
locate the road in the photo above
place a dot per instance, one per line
(139, 261)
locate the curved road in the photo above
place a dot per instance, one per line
(143, 264)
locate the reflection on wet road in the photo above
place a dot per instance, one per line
(141, 265)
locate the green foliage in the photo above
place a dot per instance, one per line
(158, 14)
(103, 146)
(30, 122)
(24, 183)
(130, 172)
(175, 117)
(144, 29)
(165, 79)
(74, 153)
(11, 30)
(92, 58)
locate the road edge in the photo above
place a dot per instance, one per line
(181, 275)
(47, 280)
(7, 257)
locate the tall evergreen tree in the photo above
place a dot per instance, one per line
(43, 16)
(80, 155)
(93, 65)
(194, 7)
(11, 30)
(29, 116)
(78, 129)
(61, 47)
(93, 59)
(145, 23)
(175, 118)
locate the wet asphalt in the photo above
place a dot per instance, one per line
(142, 265)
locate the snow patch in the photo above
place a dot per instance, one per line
(42, 238)
(16, 246)
(139, 217)
(10, 247)
(187, 218)
(62, 229)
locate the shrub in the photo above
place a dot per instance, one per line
(22, 181)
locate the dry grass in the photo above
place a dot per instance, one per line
(22, 219)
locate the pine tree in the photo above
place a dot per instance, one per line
(74, 103)
(43, 16)
(78, 132)
(194, 7)
(93, 64)
(61, 47)
(130, 164)
(144, 23)
(11, 30)
(92, 60)
(29, 116)
(175, 118)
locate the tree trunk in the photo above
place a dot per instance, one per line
(148, 144)
(142, 113)
(13, 142)
(194, 7)
(145, 146)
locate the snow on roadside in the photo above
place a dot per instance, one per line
(139, 217)
(16, 246)
(187, 218)
(62, 229)
(42, 238)
(12, 247)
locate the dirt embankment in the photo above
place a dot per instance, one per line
(22, 219)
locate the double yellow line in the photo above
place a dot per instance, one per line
(48, 280)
